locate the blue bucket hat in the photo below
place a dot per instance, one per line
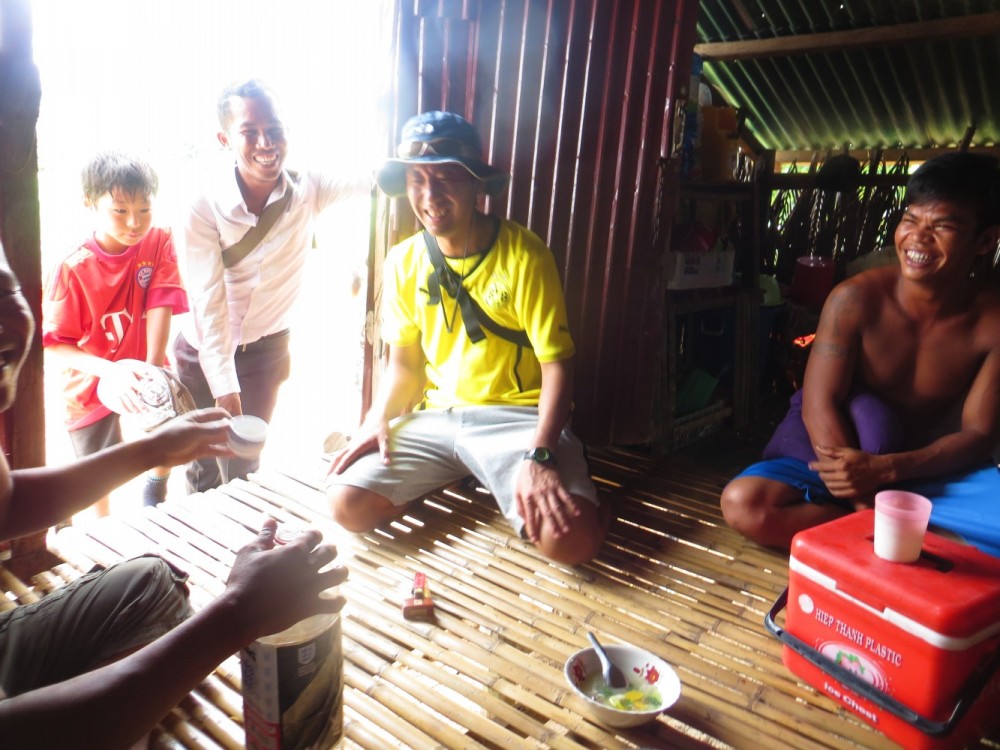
(439, 138)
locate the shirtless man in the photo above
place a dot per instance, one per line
(923, 337)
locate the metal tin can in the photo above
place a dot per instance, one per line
(293, 683)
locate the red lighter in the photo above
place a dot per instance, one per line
(420, 605)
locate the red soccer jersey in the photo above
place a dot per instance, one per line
(98, 302)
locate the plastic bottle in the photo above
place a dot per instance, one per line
(293, 682)
(691, 139)
(704, 95)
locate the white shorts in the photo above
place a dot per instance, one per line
(435, 448)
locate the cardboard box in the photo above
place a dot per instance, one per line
(700, 270)
(916, 637)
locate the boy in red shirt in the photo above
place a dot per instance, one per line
(108, 305)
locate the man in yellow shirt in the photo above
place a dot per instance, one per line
(479, 347)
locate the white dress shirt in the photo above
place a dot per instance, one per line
(250, 300)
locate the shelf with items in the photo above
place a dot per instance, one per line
(708, 382)
(710, 364)
(715, 234)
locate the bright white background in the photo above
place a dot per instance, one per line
(144, 76)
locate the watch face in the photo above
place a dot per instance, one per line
(541, 455)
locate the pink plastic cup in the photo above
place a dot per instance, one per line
(900, 524)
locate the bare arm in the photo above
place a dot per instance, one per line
(831, 367)
(70, 355)
(971, 445)
(267, 591)
(539, 492)
(157, 334)
(401, 385)
(34, 499)
(399, 390)
(554, 402)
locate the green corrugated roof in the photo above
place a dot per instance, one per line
(916, 94)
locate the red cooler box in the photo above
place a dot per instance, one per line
(911, 648)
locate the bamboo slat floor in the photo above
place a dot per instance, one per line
(487, 671)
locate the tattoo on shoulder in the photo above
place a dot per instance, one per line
(844, 303)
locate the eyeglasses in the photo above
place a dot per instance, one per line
(442, 147)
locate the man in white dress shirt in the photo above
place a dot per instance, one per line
(233, 352)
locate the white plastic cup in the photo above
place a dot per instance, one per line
(247, 435)
(900, 524)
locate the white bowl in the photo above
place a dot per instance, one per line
(640, 667)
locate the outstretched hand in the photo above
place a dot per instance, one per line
(272, 588)
(196, 434)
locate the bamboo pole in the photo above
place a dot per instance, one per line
(18, 592)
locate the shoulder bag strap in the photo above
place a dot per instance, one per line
(249, 241)
(473, 316)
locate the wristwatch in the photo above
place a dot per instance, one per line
(540, 455)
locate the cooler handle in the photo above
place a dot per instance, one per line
(977, 680)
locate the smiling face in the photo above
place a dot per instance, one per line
(940, 239)
(122, 220)
(16, 329)
(256, 135)
(443, 197)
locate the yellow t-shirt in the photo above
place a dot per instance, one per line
(516, 283)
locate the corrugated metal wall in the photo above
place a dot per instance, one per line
(886, 85)
(574, 97)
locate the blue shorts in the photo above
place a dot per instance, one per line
(967, 504)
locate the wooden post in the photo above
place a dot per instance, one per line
(22, 427)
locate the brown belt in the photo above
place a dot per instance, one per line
(265, 343)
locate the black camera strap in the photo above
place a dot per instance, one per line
(474, 317)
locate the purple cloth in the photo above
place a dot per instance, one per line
(876, 426)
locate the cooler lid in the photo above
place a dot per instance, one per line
(950, 597)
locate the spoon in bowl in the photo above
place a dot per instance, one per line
(613, 676)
